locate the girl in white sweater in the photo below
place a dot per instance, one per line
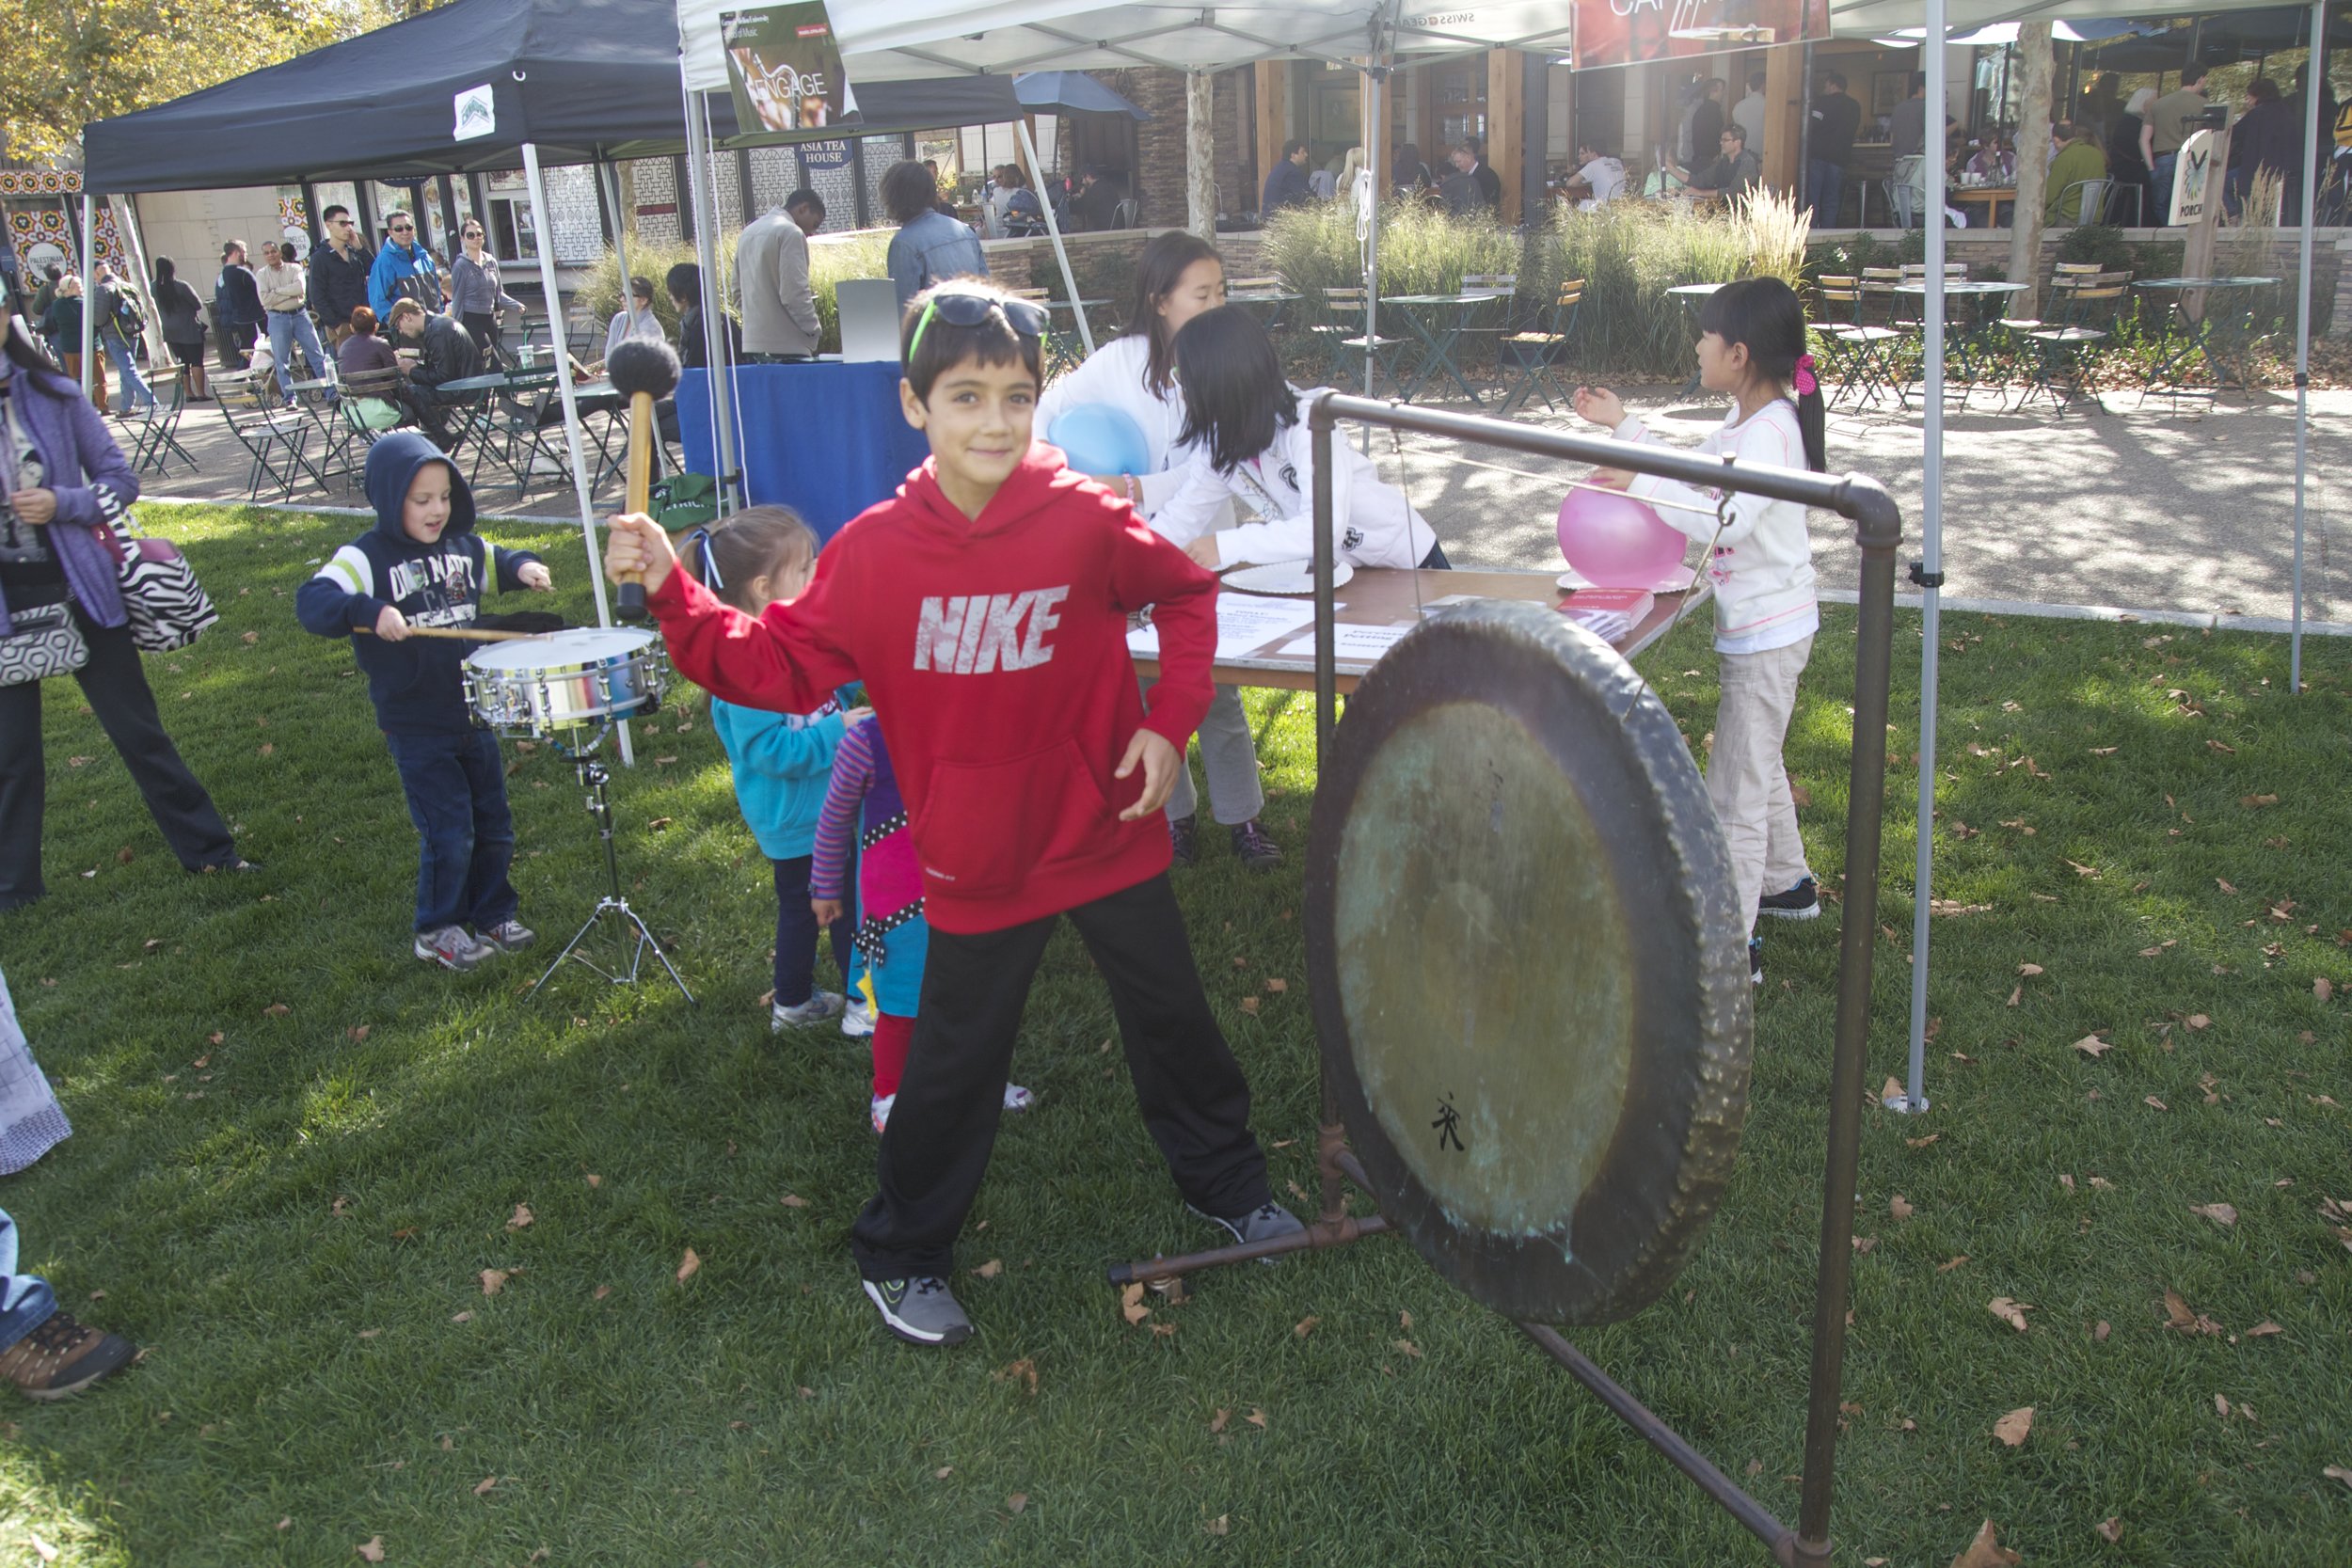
(1179, 276)
(1751, 347)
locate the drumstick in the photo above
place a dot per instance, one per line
(464, 634)
(642, 371)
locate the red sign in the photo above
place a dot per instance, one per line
(1628, 32)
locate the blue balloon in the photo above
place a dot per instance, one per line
(1099, 438)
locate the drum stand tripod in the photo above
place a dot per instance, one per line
(1878, 531)
(636, 937)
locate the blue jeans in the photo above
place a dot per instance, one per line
(286, 328)
(796, 933)
(25, 1301)
(2160, 190)
(134, 391)
(1825, 179)
(456, 789)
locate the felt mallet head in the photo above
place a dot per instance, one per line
(644, 372)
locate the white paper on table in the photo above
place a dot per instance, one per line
(1244, 625)
(1366, 643)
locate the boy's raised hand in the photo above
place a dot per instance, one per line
(634, 543)
(1160, 761)
(534, 576)
(1599, 405)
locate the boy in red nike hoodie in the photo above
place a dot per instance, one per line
(985, 608)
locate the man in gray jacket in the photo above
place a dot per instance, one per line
(780, 321)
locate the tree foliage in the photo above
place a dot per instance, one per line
(71, 61)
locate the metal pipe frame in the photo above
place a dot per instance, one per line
(1877, 532)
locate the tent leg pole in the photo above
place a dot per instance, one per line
(1375, 78)
(89, 295)
(724, 464)
(2314, 75)
(1915, 1098)
(1052, 228)
(578, 453)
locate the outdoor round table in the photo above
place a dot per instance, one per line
(1695, 297)
(1978, 300)
(2201, 337)
(1277, 301)
(1453, 314)
(1992, 195)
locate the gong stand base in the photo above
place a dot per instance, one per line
(636, 938)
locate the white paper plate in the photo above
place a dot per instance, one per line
(1284, 577)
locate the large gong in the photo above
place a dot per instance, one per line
(1528, 973)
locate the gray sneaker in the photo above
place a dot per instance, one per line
(820, 1007)
(509, 936)
(1259, 1225)
(920, 1312)
(452, 948)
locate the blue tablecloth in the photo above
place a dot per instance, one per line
(828, 440)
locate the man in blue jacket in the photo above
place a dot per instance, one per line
(1286, 184)
(402, 267)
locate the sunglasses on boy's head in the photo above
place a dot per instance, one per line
(964, 310)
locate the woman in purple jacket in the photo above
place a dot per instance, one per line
(63, 485)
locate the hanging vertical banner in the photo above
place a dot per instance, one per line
(477, 113)
(1628, 32)
(784, 66)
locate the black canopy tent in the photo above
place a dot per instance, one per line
(571, 82)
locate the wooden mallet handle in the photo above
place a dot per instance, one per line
(463, 634)
(644, 373)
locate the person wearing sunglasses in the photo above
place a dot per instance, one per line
(340, 269)
(476, 297)
(402, 267)
(985, 608)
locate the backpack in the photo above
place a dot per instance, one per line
(127, 316)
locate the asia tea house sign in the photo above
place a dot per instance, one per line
(1628, 32)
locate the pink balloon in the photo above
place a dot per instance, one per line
(1615, 541)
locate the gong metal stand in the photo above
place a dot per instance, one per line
(1877, 532)
(636, 938)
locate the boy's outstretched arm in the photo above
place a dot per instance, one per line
(785, 660)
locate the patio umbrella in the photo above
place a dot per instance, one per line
(1071, 92)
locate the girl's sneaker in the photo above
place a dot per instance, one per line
(509, 936)
(451, 947)
(1802, 902)
(857, 1019)
(1257, 852)
(882, 1111)
(817, 1009)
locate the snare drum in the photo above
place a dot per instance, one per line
(567, 681)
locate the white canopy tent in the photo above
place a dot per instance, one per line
(1954, 20)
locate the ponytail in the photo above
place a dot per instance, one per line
(1812, 419)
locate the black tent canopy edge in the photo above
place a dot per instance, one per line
(585, 80)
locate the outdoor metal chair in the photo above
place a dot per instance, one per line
(2006, 340)
(1344, 345)
(2082, 318)
(1495, 322)
(276, 436)
(361, 408)
(336, 453)
(156, 439)
(1534, 358)
(514, 433)
(2086, 200)
(1859, 351)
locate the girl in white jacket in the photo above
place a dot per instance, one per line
(1179, 276)
(1247, 432)
(1751, 347)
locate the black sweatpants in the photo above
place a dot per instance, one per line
(115, 685)
(942, 1127)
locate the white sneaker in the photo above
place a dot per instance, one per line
(452, 948)
(817, 1009)
(857, 1019)
(1017, 1098)
(882, 1111)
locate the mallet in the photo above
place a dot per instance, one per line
(644, 372)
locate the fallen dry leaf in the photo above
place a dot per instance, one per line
(2013, 1428)
(1216, 1422)
(1406, 1347)
(1015, 1503)
(991, 1269)
(943, 1472)
(2220, 1213)
(2092, 1046)
(522, 1217)
(2102, 1331)
(371, 1549)
(2110, 1530)
(46, 1552)
(2338, 1472)
(689, 1266)
(2221, 1405)
(2178, 1315)
(1022, 1373)
(1222, 1524)
(1256, 1418)
(1951, 1263)
(276, 1009)
(1305, 1327)
(1900, 1207)
(595, 1181)
(2324, 989)
(2198, 1020)
(462, 1318)
(1249, 1006)
(2264, 1330)
(2255, 802)
(2153, 1103)
(1921, 1143)
(2222, 747)
(1277, 987)
(1986, 1551)
(2030, 970)
(494, 1280)
(600, 1293)
(793, 1200)
(2011, 1312)
(482, 1490)
(2223, 883)
(1131, 1304)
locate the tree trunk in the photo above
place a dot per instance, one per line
(2034, 61)
(1201, 154)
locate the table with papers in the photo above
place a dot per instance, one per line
(1270, 642)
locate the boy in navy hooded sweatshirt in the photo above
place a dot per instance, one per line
(423, 565)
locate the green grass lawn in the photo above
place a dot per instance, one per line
(297, 1150)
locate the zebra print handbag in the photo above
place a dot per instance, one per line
(166, 607)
